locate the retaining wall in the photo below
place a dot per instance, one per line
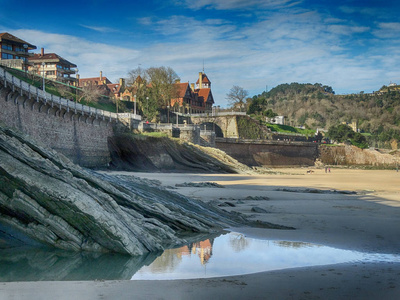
(269, 153)
(80, 137)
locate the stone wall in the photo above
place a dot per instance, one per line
(225, 126)
(82, 138)
(269, 153)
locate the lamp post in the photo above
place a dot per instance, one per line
(43, 64)
(76, 85)
(147, 103)
(25, 59)
(134, 105)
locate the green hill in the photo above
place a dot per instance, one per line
(317, 106)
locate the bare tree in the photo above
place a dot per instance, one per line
(236, 97)
(89, 93)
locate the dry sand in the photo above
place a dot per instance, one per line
(368, 221)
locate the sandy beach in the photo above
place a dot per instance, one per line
(321, 206)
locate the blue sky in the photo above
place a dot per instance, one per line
(351, 45)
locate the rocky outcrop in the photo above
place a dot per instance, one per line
(45, 199)
(145, 153)
(351, 155)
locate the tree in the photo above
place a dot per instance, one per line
(162, 84)
(89, 93)
(236, 97)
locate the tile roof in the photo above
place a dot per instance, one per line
(114, 87)
(181, 89)
(205, 93)
(95, 79)
(51, 56)
(10, 37)
(204, 79)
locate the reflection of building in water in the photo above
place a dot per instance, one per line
(203, 249)
(171, 258)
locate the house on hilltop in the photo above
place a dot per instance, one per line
(53, 66)
(14, 52)
(194, 99)
(106, 87)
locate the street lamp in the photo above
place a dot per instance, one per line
(147, 102)
(44, 89)
(134, 105)
(76, 85)
(25, 59)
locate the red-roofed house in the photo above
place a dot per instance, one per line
(194, 100)
(53, 67)
(14, 51)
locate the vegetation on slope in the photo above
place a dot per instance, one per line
(316, 105)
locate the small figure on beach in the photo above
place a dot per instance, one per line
(326, 169)
(329, 170)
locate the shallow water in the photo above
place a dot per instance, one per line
(235, 254)
(229, 254)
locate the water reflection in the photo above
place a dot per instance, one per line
(229, 254)
(235, 254)
(37, 264)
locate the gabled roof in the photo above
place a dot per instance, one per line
(9, 37)
(114, 87)
(51, 57)
(205, 94)
(204, 79)
(181, 89)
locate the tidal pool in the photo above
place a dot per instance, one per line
(236, 254)
(228, 254)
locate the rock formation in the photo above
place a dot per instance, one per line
(144, 153)
(45, 199)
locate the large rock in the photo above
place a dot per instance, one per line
(46, 199)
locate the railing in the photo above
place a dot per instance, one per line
(61, 102)
(219, 114)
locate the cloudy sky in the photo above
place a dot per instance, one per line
(351, 45)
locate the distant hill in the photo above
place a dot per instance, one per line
(316, 106)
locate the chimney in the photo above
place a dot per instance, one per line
(101, 76)
(192, 86)
(121, 82)
(178, 81)
(200, 80)
(42, 51)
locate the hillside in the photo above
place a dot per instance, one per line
(317, 106)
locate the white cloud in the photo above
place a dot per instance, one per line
(100, 29)
(300, 46)
(237, 4)
(388, 30)
(90, 57)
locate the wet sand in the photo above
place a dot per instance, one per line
(367, 221)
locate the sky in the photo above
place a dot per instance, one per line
(351, 45)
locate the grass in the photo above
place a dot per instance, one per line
(51, 88)
(289, 129)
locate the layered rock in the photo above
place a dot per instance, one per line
(145, 153)
(46, 199)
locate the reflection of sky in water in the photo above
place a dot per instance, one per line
(233, 254)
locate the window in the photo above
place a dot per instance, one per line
(6, 56)
(6, 47)
(50, 73)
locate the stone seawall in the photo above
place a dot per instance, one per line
(82, 138)
(269, 153)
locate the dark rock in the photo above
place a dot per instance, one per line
(199, 184)
(259, 210)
